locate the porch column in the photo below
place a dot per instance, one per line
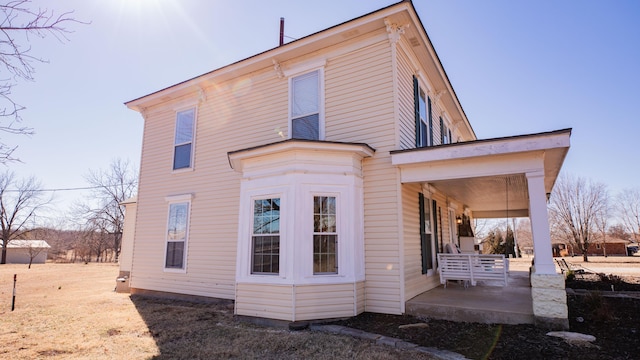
(540, 224)
(547, 287)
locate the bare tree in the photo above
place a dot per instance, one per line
(481, 227)
(577, 204)
(628, 210)
(17, 24)
(112, 187)
(619, 231)
(19, 201)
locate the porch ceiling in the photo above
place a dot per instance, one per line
(487, 176)
(489, 196)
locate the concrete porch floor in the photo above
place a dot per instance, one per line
(483, 303)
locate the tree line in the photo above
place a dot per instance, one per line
(95, 231)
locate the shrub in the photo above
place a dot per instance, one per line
(570, 275)
(598, 308)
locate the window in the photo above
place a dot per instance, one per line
(445, 134)
(325, 236)
(266, 237)
(183, 142)
(424, 126)
(305, 106)
(177, 229)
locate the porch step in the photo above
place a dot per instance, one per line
(482, 304)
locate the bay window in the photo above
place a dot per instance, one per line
(325, 235)
(265, 237)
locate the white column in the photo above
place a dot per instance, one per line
(540, 224)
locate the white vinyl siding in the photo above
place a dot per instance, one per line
(298, 303)
(407, 120)
(265, 300)
(360, 108)
(415, 281)
(216, 188)
(325, 301)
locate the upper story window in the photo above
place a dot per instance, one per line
(306, 106)
(183, 142)
(265, 237)
(177, 232)
(445, 132)
(424, 123)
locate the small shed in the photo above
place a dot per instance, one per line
(22, 251)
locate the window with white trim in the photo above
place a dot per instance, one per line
(177, 234)
(325, 235)
(183, 141)
(305, 106)
(265, 237)
(445, 132)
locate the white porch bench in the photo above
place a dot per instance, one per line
(472, 268)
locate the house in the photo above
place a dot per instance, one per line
(610, 247)
(27, 251)
(319, 179)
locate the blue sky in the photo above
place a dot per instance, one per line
(517, 67)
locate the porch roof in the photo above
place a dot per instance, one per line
(488, 176)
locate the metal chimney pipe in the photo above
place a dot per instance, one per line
(281, 31)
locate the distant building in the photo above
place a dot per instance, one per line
(612, 246)
(616, 247)
(22, 251)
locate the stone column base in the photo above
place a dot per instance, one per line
(549, 301)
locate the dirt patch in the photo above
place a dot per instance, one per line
(53, 352)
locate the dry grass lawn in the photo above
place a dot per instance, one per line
(70, 311)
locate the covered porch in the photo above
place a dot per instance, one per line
(501, 178)
(484, 303)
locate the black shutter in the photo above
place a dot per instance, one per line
(425, 239)
(434, 211)
(430, 121)
(441, 131)
(416, 106)
(450, 139)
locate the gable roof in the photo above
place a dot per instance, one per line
(402, 13)
(23, 244)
